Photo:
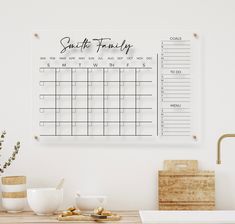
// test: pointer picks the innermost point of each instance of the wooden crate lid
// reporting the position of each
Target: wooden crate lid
(181, 165)
(173, 173)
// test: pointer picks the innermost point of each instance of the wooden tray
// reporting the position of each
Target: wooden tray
(88, 218)
(184, 187)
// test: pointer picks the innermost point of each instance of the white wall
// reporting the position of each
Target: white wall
(128, 175)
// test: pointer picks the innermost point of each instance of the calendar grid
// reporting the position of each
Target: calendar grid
(87, 72)
(120, 102)
(105, 108)
(55, 102)
(103, 101)
(135, 102)
(71, 101)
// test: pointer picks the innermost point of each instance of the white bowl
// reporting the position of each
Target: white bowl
(89, 202)
(14, 205)
(44, 201)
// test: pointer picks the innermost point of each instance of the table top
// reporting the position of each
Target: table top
(127, 217)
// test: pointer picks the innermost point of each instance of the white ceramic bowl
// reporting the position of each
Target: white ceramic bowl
(89, 202)
(44, 201)
(14, 205)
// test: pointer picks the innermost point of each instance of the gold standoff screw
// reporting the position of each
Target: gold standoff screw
(195, 35)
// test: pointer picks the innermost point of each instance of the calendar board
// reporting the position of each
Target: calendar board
(116, 86)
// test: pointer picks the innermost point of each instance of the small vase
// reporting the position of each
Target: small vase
(14, 193)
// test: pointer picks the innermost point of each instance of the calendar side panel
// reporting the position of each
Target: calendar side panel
(180, 88)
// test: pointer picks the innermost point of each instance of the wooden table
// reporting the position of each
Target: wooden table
(128, 217)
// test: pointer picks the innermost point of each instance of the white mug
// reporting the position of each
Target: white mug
(14, 193)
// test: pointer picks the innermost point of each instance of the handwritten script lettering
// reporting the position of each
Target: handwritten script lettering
(66, 44)
(98, 43)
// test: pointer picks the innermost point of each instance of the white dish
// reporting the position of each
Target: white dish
(14, 205)
(89, 202)
(187, 217)
(44, 201)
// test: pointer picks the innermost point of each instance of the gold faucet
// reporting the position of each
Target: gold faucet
(219, 143)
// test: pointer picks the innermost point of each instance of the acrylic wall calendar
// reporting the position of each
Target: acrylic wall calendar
(116, 86)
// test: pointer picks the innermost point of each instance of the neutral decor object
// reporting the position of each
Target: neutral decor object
(89, 202)
(84, 218)
(183, 187)
(118, 95)
(127, 217)
(187, 217)
(218, 161)
(14, 193)
(133, 217)
(99, 214)
(60, 184)
(45, 201)
(13, 155)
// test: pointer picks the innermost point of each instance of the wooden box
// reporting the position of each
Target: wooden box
(183, 187)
